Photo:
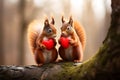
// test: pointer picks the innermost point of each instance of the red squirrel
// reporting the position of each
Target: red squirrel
(72, 41)
(42, 41)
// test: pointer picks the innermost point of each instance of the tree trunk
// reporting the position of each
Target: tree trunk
(1, 32)
(23, 27)
(105, 65)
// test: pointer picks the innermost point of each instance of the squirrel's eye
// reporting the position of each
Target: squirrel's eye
(68, 28)
(49, 30)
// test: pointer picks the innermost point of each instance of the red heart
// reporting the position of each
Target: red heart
(64, 42)
(48, 43)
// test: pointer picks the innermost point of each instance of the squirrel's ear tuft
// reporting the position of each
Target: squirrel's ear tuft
(53, 21)
(63, 19)
(70, 21)
(46, 22)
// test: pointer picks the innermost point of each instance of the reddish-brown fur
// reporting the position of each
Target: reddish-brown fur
(62, 53)
(54, 55)
(80, 32)
(77, 40)
(35, 36)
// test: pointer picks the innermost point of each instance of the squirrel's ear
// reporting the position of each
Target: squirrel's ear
(53, 21)
(63, 19)
(46, 22)
(70, 21)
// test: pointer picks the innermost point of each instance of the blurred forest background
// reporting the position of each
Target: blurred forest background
(15, 15)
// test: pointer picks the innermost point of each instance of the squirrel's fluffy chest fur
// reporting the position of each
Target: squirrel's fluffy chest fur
(47, 53)
(69, 51)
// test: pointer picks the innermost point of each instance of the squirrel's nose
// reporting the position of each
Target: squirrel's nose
(63, 34)
(54, 35)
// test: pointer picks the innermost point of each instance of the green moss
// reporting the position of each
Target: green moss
(66, 73)
(69, 71)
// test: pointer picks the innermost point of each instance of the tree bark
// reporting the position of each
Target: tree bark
(105, 65)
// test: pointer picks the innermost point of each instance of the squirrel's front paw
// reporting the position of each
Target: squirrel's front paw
(42, 46)
(71, 41)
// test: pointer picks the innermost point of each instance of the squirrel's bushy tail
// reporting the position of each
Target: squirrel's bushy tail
(34, 30)
(81, 33)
